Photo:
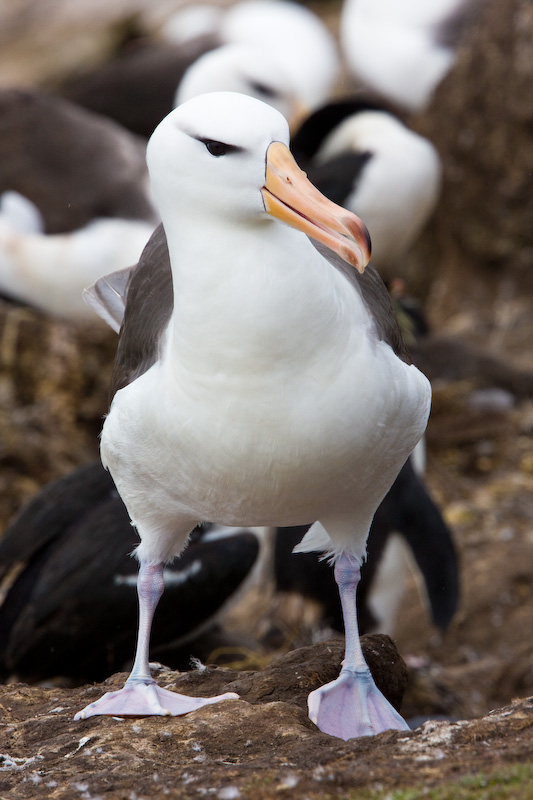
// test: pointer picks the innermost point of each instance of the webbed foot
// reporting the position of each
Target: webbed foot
(352, 706)
(142, 699)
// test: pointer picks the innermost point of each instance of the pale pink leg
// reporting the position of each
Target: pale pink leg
(352, 705)
(141, 696)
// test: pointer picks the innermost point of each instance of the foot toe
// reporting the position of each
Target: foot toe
(147, 699)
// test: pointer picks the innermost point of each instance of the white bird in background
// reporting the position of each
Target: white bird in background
(293, 34)
(288, 397)
(289, 34)
(403, 50)
(49, 271)
(247, 69)
(366, 159)
(74, 200)
(294, 59)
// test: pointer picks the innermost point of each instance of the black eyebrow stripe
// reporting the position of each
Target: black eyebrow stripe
(232, 148)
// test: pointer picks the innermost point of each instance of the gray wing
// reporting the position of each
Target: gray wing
(149, 304)
(376, 298)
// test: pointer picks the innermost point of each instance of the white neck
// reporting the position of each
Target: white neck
(231, 313)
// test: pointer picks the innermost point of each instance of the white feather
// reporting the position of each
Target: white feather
(50, 272)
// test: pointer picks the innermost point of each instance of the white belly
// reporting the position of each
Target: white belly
(283, 451)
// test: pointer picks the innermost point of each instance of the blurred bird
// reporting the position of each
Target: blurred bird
(256, 410)
(295, 36)
(74, 200)
(49, 271)
(363, 157)
(285, 31)
(403, 50)
(68, 584)
(285, 56)
(74, 166)
(248, 69)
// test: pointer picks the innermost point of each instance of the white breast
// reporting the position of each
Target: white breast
(277, 445)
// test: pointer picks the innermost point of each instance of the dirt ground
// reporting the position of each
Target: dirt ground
(248, 749)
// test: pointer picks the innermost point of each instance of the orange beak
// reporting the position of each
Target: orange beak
(290, 197)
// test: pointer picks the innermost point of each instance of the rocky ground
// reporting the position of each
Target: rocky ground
(473, 272)
(260, 746)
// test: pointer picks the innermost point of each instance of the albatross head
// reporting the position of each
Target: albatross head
(246, 69)
(226, 155)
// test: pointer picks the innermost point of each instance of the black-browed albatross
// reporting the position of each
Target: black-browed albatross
(363, 157)
(270, 386)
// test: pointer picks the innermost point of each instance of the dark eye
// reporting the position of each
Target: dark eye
(262, 89)
(217, 148)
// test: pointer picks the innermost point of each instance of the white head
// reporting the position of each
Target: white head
(186, 171)
(222, 161)
(295, 36)
(244, 69)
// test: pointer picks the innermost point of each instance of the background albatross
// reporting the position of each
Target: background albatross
(270, 386)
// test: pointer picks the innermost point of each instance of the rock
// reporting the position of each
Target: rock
(480, 242)
(41, 45)
(292, 676)
(54, 379)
